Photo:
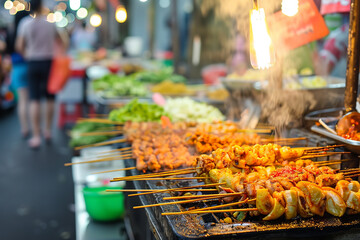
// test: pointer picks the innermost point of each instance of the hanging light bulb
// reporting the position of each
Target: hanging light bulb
(95, 20)
(290, 7)
(262, 55)
(121, 14)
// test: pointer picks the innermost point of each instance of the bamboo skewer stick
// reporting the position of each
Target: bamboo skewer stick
(117, 150)
(171, 203)
(99, 120)
(255, 130)
(175, 189)
(129, 177)
(331, 162)
(109, 156)
(101, 144)
(322, 155)
(350, 170)
(208, 208)
(283, 139)
(219, 211)
(217, 195)
(100, 133)
(158, 174)
(170, 190)
(115, 170)
(159, 179)
(353, 175)
(94, 161)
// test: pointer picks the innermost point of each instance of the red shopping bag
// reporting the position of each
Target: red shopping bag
(59, 74)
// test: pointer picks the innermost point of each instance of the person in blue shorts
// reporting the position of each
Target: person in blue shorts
(19, 76)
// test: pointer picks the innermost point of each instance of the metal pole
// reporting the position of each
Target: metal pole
(175, 36)
(152, 10)
(352, 71)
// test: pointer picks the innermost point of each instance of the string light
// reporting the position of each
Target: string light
(95, 20)
(290, 7)
(121, 14)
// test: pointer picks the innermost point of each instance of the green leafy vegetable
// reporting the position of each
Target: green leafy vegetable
(114, 86)
(85, 127)
(136, 111)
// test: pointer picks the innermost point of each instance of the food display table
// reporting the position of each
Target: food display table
(86, 228)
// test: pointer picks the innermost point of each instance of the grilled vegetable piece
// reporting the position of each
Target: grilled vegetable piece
(264, 201)
(291, 200)
(290, 153)
(303, 207)
(277, 211)
(314, 196)
(343, 189)
(334, 204)
(354, 186)
(353, 201)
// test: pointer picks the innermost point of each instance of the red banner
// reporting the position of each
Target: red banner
(291, 32)
(334, 6)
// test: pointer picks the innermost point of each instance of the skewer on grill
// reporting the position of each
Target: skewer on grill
(159, 179)
(124, 155)
(101, 144)
(276, 140)
(100, 133)
(176, 189)
(99, 160)
(215, 211)
(169, 190)
(321, 155)
(209, 208)
(99, 120)
(167, 173)
(115, 170)
(175, 202)
(216, 195)
(117, 150)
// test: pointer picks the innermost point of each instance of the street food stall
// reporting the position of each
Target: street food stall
(194, 173)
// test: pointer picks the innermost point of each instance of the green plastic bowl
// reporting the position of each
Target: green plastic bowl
(103, 206)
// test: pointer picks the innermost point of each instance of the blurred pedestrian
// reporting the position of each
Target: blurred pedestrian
(36, 41)
(19, 78)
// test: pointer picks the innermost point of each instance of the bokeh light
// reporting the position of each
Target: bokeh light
(20, 7)
(13, 11)
(50, 17)
(8, 5)
(58, 16)
(95, 20)
(61, 6)
(63, 23)
(121, 14)
(164, 3)
(290, 7)
(75, 4)
(70, 17)
(82, 13)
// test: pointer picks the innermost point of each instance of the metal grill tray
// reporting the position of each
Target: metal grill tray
(208, 225)
(352, 145)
